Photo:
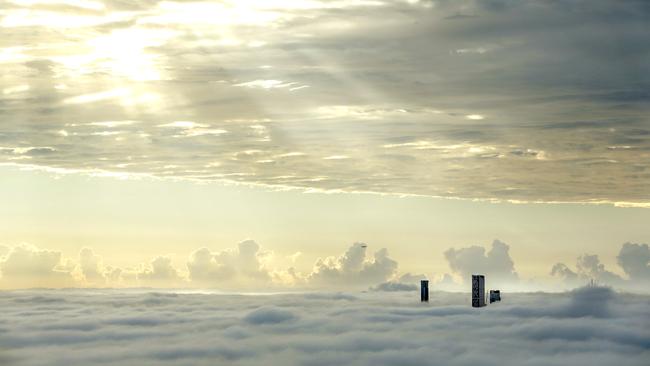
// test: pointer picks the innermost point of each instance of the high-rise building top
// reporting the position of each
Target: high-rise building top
(495, 295)
(424, 290)
(478, 291)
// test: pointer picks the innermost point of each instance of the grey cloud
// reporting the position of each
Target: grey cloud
(632, 258)
(371, 81)
(635, 261)
(496, 264)
(590, 266)
(268, 315)
(562, 271)
(394, 286)
(590, 326)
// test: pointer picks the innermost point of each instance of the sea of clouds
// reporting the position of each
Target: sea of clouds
(588, 326)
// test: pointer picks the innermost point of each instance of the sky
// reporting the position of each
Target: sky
(248, 145)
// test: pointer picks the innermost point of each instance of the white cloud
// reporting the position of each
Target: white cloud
(161, 273)
(249, 267)
(91, 267)
(267, 84)
(98, 97)
(353, 269)
(26, 266)
(15, 89)
(184, 125)
(336, 157)
(234, 268)
(593, 326)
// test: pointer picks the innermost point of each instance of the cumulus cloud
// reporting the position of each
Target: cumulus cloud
(496, 264)
(240, 267)
(28, 266)
(632, 258)
(589, 266)
(161, 273)
(591, 326)
(353, 268)
(248, 267)
(91, 267)
(635, 261)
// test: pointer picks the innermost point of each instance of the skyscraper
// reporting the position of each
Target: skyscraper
(478, 291)
(424, 290)
(495, 295)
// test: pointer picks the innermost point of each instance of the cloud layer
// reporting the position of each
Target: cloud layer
(245, 267)
(591, 326)
(249, 267)
(489, 99)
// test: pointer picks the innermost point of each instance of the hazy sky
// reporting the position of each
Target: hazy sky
(146, 130)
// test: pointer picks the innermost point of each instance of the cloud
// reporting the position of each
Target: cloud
(26, 266)
(267, 315)
(353, 268)
(248, 267)
(632, 258)
(562, 271)
(496, 265)
(592, 326)
(635, 261)
(589, 266)
(394, 286)
(546, 116)
(161, 273)
(90, 265)
(240, 267)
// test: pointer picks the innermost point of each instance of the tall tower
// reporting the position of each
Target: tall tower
(478, 291)
(424, 291)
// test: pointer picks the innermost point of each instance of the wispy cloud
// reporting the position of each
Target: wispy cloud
(564, 125)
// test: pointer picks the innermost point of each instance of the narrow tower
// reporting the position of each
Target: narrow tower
(478, 291)
(424, 290)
